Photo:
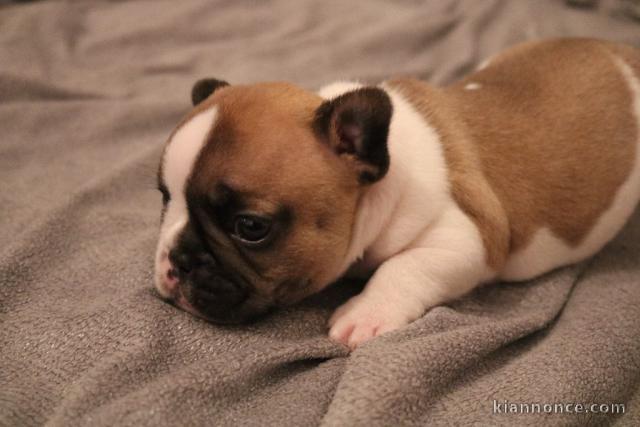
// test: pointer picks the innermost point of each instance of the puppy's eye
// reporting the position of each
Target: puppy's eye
(251, 229)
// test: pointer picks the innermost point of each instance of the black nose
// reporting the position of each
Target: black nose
(186, 261)
(182, 261)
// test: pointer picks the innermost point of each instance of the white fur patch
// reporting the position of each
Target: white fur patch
(406, 209)
(417, 174)
(472, 86)
(546, 251)
(178, 160)
(425, 249)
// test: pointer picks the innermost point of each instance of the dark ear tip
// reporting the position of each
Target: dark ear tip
(364, 98)
(357, 123)
(203, 88)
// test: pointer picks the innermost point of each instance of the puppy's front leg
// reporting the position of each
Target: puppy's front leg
(408, 284)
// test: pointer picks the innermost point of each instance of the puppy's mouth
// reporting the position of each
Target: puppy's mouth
(207, 304)
(247, 311)
(221, 297)
(180, 301)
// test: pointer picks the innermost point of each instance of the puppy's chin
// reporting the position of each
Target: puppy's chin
(248, 311)
(292, 291)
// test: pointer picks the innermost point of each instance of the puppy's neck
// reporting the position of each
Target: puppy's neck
(409, 197)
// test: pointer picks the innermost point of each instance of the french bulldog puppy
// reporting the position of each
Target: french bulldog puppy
(272, 192)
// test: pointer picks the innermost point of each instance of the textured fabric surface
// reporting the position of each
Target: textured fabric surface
(89, 91)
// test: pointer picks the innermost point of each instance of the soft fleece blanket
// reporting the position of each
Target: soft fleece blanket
(89, 91)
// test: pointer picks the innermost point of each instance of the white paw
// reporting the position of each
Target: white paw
(362, 318)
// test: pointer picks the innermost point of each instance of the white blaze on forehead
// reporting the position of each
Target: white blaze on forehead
(177, 164)
(183, 149)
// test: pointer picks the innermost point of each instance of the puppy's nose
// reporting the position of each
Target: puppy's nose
(209, 288)
(185, 261)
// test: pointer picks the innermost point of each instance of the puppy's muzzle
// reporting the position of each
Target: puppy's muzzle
(203, 286)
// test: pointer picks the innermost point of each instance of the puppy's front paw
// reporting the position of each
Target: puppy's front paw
(362, 318)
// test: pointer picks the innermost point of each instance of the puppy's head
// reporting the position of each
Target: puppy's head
(260, 188)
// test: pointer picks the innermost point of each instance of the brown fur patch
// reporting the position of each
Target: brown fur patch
(545, 141)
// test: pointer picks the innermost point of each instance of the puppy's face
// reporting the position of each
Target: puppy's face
(260, 187)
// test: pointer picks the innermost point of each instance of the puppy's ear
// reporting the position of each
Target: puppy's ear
(355, 125)
(205, 87)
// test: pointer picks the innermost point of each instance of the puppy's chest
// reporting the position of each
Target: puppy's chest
(371, 259)
(385, 247)
(365, 264)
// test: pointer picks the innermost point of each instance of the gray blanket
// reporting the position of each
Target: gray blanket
(89, 91)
